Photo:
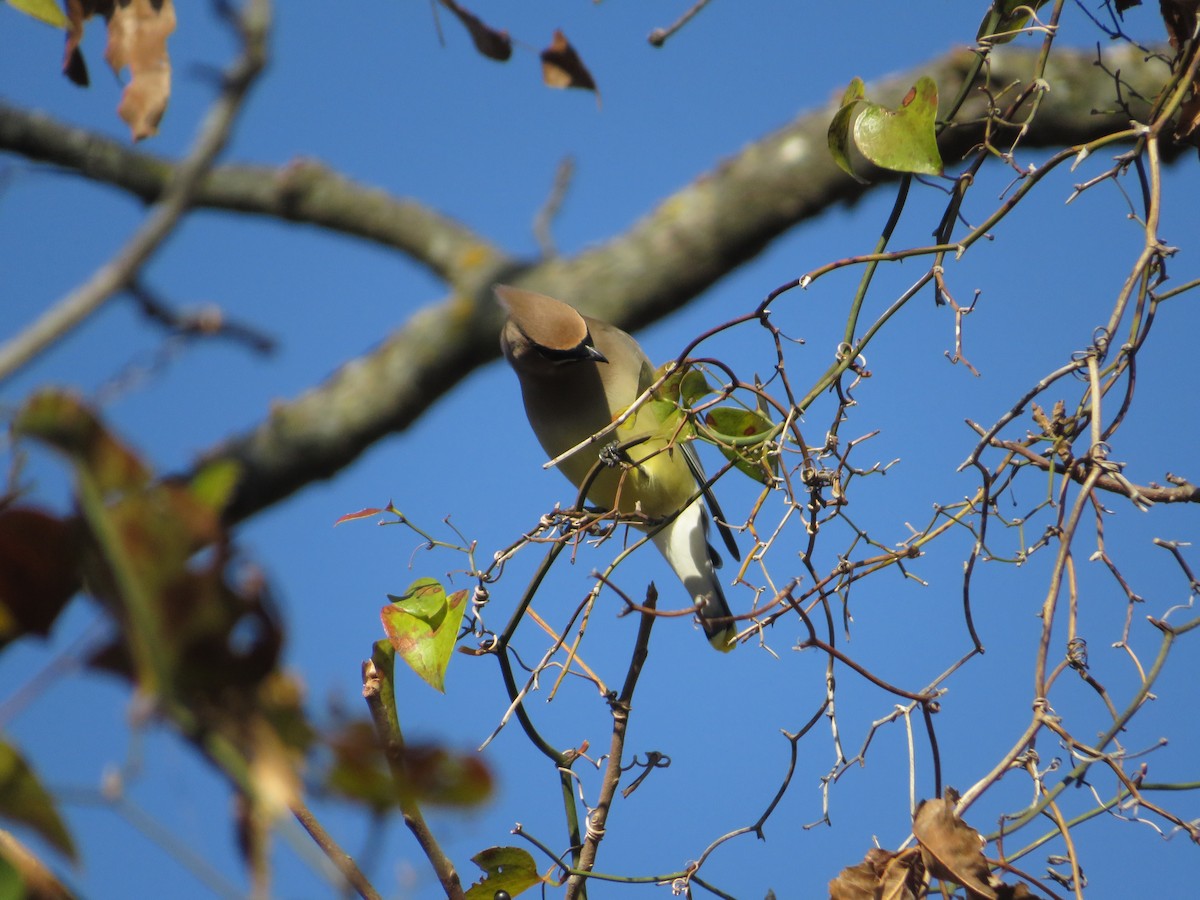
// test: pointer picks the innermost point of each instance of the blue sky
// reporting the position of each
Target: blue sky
(369, 91)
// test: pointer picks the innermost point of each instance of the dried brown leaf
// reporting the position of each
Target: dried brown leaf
(38, 570)
(491, 42)
(1180, 19)
(903, 876)
(1188, 129)
(78, 11)
(882, 875)
(952, 849)
(137, 39)
(562, 67)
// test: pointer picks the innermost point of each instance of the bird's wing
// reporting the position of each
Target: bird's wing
(693, 461)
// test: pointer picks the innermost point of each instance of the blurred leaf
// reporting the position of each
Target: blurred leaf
(902, 140)
(213, 485)
(183, 629)
(431, 773)
(562, 67)
(492, 43)
(43, 10)
(359, 770)
(39, 570)
(422, 625)
(446, 777)
(509, 869)
(741, 435)
(61, 420)
(24, 876)
(24, 800)
(137, 39)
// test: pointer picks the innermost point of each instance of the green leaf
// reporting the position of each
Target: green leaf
(24, 800)
(841, 144)
(509, 869)
(902, 139)
(856, 90)
(694, 387)
(1005, 19)
(422, 626)
(741, 435)
(46, 11)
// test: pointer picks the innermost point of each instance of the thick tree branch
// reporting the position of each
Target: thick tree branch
(687, 243)
(302, 191)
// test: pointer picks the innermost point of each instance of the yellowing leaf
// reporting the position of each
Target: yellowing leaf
(46, 11)
(741, 435)
(213, 485)
(902, 139)
(509, 869)
(422, 626)
(24, 800)
(62, 420)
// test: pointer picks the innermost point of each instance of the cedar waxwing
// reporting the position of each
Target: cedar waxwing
(577, 375)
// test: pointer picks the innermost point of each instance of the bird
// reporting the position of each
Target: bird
(577, 375)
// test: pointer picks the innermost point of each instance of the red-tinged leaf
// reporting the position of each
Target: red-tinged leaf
(562, 67)
(39, 570)
(445, 777)
(428, 772)
(24, 800)
(509, 869)
(422, 627)
(365, 513)
(491, 42)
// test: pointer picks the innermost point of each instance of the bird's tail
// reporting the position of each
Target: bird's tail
(684, 543)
